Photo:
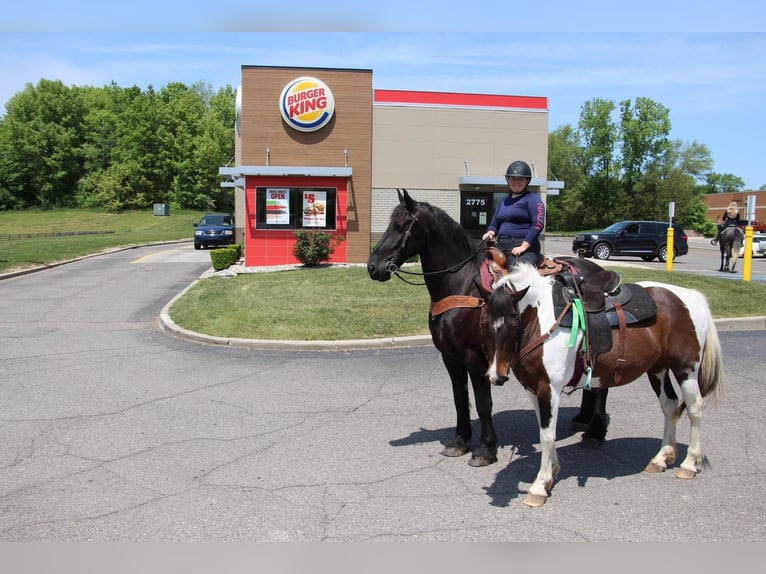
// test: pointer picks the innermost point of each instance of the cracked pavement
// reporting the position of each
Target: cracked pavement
(115, 430)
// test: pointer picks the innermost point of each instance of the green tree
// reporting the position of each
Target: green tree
(601, 192)
(42, 139)
(723, 183)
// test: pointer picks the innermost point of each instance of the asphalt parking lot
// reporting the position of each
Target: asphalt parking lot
(116, 430)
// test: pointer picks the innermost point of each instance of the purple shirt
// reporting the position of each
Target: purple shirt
(519, 217)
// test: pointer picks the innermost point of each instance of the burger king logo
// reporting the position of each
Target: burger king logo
(306, 104)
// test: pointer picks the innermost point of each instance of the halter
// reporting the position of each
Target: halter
(393, 268)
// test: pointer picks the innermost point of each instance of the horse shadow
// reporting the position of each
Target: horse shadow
(518, 430)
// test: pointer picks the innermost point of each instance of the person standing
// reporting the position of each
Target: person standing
(729, 218)
(519, 219)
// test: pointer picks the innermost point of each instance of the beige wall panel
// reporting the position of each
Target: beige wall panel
(429, 147)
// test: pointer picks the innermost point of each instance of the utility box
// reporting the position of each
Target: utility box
(161, 209)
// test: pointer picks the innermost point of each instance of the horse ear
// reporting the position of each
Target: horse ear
(519, 295)
(401, 197)
(405, 198)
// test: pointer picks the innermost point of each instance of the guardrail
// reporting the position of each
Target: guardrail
(12, 236)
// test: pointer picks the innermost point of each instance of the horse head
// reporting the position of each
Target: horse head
(502, 327)
(401, 240)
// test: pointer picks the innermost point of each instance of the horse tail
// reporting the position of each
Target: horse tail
(710, 377)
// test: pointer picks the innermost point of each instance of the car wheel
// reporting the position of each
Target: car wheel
(197, 245)
(662, 254)
(647, 257)
(602, 251)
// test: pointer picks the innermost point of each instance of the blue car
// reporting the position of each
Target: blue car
(214, 229)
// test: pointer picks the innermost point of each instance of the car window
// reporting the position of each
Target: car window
(649, 228)
(632, 228)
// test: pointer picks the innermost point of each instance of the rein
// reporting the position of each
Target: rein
(393, 268)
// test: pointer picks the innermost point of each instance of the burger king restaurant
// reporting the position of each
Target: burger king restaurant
(321, 149)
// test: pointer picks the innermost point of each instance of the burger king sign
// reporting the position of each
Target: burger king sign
(306, 104)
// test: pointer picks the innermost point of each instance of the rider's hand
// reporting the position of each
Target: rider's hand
(488, 236)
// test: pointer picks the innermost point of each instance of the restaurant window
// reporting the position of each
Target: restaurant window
(295, 208)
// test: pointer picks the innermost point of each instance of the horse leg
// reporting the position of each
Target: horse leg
(546, 405)
(594, 436)
(460, 444)
(694, 460)
(663, 388)
(486, 452)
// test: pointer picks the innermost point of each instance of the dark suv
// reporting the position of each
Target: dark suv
(644, 239)
(214, 229)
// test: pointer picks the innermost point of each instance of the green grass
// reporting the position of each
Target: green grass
(320, 303)
(130, 228)
(342, 303)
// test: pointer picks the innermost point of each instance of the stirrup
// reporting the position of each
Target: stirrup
(713, 241)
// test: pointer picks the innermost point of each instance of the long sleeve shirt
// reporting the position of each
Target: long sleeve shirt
(522, 216)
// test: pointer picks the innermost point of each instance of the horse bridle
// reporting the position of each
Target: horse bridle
(515, 317)
(393, 268)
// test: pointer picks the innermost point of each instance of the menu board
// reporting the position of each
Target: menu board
(314, 205)
(277, 206)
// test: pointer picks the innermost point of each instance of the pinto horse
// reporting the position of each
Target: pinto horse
(730, 243)
(523, 335)
(451, 264)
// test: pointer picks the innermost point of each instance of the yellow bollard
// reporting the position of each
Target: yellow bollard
(747, 263)
(669, 260)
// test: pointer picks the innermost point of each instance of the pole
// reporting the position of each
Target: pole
(671, 236)
(747, 263)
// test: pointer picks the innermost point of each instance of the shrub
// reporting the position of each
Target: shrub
(313, 246)
(225, 257)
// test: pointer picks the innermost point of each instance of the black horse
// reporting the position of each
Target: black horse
(730, 243)
(451, 264)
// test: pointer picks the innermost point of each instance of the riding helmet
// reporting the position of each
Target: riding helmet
(519, 169)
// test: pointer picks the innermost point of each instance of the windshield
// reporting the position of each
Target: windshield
(216, 220)
(614, 228)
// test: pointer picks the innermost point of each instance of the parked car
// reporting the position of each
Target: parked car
(214, 229)
(759, 246)
(644, 239)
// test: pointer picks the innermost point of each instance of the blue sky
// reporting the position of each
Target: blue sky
(705, 61)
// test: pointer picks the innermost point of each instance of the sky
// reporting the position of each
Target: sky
(704, 60)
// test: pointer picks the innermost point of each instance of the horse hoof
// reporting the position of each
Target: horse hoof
(685, 473)
(454, 451)
(534, 500)
(591, 442)
(477, 461)
(654, 468)
(579, 426)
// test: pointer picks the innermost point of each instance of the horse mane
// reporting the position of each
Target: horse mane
(441, 220)
(521, 275)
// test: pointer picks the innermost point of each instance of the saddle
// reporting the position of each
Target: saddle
(608, 305)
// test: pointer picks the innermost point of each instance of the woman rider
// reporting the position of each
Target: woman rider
(729, 218)
(519, 219)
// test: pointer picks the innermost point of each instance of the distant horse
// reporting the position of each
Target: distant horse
(451, 264)
(523, 334)
(730, 243)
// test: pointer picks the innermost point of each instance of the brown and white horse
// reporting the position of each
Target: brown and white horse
(524, 339)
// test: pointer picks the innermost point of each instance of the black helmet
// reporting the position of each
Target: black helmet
(518, 169)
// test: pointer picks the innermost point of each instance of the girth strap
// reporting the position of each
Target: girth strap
(617, 373)
(453, 302)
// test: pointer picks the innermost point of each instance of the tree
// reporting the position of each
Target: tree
(723, 183)
(601, 192)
